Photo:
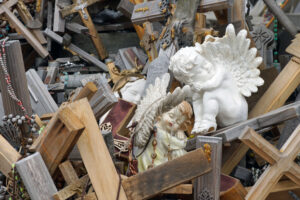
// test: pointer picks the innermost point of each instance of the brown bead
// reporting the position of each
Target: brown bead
(154, 142)
(150, 166)
(153, 155)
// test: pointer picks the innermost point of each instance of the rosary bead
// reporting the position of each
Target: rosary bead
(33, 130)
(23, 118)
(10, 116)
(4, 118)
(29, 140)
(18, 117)
(32, 121)
(14, 120)
(153, 155)
(154, 142)
(20, 122)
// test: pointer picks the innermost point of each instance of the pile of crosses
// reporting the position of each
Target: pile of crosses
(68, 99)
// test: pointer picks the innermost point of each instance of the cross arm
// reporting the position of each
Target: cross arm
(8, 4)
(258, 144)
(292, 146)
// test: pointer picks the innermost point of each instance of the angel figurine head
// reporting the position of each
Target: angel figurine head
(176, 119)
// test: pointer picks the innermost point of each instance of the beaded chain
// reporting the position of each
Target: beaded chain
(10, 90)
(275, 29)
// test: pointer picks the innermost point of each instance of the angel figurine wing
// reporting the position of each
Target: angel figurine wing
(232, 51)
(156, 102)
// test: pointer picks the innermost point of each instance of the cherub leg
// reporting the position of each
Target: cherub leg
(197, 107)
(208, 118)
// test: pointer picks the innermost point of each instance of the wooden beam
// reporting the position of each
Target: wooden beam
(95, 155)
(282, 186)
(71, 189)
(77, 50)
(166, 176)
(36, 177)
(68, 172)
(88, 91)
(8, 156)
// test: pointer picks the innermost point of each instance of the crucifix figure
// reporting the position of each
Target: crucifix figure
(80, 6)
(281, 162)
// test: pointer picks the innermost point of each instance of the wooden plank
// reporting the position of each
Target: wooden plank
(180, 189)
(95, 154)
(282, 186)
(209, 183)
(89, 196)
(58, 21)
(126, 7)
(49, 22)
(166, 176)
(77, 50)
(8, 156)
(36, 177)
(16, 70)
(62, 134)
(88, 91)
(68, 172)
(76, 28)
(231, 189)
(71, 189)
(212, 5)
(148, 11)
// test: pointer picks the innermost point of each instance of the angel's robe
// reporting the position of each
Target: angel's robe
(168, 146)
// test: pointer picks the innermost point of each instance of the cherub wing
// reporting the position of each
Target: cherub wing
(156, 102)
(232, 51)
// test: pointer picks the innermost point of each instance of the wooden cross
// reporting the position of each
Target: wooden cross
(281, 162)
(80, 6)
(15, 22)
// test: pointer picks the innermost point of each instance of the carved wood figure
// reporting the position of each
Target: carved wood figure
(80, 6)
(281, 161)
(220, 73)
(18, 25)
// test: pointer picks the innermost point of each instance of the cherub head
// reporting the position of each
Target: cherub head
(177, 119)
(133, 91)
(189, 66)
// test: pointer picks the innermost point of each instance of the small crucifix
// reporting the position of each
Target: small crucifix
(80, 6)
(281, 162)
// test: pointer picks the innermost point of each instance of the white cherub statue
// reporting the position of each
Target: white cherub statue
(160, 119)
(220, 72)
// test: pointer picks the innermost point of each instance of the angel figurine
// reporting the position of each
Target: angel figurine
(220, 72)
(161, 119)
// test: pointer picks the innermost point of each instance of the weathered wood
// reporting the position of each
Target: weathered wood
(52, 72)
(95, 155)
(59, 137)
(103, 99)
(88, 91)
(209, 183)
(281, 162)
(41, 100)
(68, 172)
(282, 186)
(212, 5)
(148, 11)
(166, 176)
(58, 21)
(71, 189)
(8, 156)
(149, 41)
(77, 50)
(76, 28)
(15, 22)
(16, 70)
(89, 196)
(36, 177)
(180, 189)
(49, 22)
(126, 7)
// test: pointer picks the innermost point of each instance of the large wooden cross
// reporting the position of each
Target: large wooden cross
(15, 22)
(80, 6)
(281, 162)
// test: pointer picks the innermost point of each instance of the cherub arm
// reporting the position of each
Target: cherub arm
(214, 82)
